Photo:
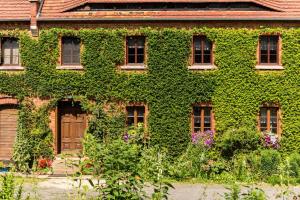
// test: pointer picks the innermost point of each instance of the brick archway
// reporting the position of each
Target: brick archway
(8, 100)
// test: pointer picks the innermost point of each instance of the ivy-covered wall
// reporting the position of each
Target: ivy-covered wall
(235, 89)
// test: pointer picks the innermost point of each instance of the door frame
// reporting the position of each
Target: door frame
(58, 135)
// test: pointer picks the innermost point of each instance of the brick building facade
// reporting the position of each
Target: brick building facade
(68, 122)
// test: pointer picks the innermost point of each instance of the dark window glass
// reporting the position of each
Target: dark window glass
(269, 119)
(202, 117)
(135, 50)
(269, 49)
(10, 51)
(135, 115)
(171, 6)
(70, 51)
(202, 50)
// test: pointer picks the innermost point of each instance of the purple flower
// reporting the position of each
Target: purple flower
(206, 138)
(270, 140)
(126, 137)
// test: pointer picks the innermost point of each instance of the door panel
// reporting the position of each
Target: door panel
(8, 130)
(72, 127)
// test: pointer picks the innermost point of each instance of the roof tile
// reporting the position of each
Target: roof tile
(14, 10)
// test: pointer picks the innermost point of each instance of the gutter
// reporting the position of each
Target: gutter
(15, 20)
(166, 19)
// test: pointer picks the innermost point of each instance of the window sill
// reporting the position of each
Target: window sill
(11, 68)
(70, 67)
(202, 67)
(133, 67)
(269, 67)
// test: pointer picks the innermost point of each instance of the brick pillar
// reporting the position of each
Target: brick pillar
(35, 4)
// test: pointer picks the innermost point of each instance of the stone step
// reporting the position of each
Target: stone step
(64, 167)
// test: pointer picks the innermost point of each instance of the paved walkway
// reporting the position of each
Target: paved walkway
(65, 188)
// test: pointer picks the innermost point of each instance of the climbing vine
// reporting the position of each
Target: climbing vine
(235, 89)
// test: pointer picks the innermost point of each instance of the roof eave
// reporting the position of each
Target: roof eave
(15, 20)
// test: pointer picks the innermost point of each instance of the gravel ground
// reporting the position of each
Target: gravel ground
(64, 188)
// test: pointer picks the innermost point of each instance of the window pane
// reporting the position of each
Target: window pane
(10, 51)
(131, 59)
(130, 121)
(197, 123)
(140, 42)
(273, 58)
(76, 51)
(264, 58)
(131, 51)
(70, 50)
(207, 59)
(135, 49)
(6, 56)
(196, 111)
(197, 50)
(273, 43)
(140, 50)
(207, 118)
(140, 119)
(263, 43)
(131, 42)
(263, 119)
(141, 111)
(273, 119)
(130, 111)
(140, 58)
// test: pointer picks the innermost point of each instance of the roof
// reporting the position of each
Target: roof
(14, 10)
(62, 10)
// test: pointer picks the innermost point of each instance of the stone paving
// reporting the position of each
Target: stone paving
(65, 188)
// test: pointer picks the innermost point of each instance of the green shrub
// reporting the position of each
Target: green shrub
(238, 140)
(148, 162)
(294, 162)
(191, 163)
(270, 161)
(240, 169)
(255, 194)
(9, 190)
(116, 162)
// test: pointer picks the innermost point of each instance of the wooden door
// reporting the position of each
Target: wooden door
(72, 127)
(8, 130)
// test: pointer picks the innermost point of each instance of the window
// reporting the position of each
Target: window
(172, 6)
(70, 51)
(135, 50)
(135, 115)
(10, 51)
(269, 50)
(268, 119)
(202, 50)
(202, 118)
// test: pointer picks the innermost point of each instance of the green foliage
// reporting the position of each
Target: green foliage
(270, 160)
(9, 190)
(294, 164)
(190, 163)
(106, 124)
(255, 194)
(234, 193)
(116, 162)
(235, 89)
(238, 140)
(34, 137)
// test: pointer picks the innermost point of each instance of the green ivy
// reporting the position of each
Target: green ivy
(235, 89)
